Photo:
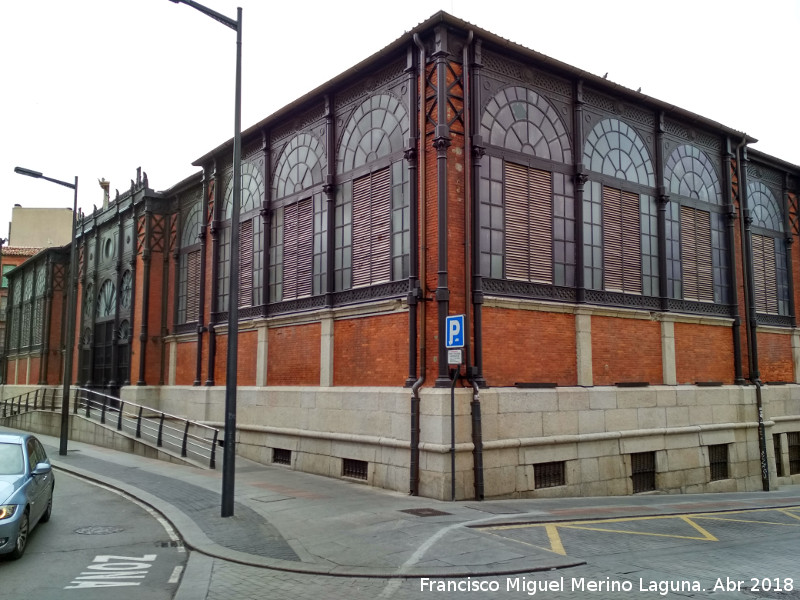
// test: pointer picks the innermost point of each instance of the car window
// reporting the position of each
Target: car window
(10, 459)
(31, 445)
(35, 452)
(40, 452)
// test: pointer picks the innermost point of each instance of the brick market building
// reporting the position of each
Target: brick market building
(626, 270)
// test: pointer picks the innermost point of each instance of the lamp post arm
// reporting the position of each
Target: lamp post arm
(228, 22)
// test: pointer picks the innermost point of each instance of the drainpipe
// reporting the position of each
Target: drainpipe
(750, 309)
(475, 405)
(423, 273)
(732, 280)
(441, 142)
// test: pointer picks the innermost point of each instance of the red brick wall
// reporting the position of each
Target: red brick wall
(186, 361)
(152, 374)
(703, 353)
(370, 351)
(528, 346)
(775, 357)
(34, 374)
(626, 350)
(293, 355)
(248, 357)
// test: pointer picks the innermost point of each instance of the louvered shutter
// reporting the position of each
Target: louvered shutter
(193, 286)
(696, 255)
(528, 224)
(305, 246)
(371, 229)
(246, 263)
(622, 242)
(517, 222)
(764, 274)
(290, 260)
(631, 244)
(612, 239)
(298, 249)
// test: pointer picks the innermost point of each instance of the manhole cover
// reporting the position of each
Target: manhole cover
(98, 530)
(425, 512)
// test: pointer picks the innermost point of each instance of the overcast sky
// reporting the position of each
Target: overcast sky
(97, 88)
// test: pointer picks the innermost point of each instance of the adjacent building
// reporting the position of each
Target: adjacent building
(625, 268)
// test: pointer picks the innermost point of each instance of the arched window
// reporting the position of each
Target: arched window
(697, 258)
(298, 236)
(519, 119)
(620, 215)
(372, 234)
(38, 303)
(189, 266)
(527, 203)
(770, 271)
(250, 240)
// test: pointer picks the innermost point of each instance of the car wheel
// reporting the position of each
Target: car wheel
(22, 537)
(49, 510)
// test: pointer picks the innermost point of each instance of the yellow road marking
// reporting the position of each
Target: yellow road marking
(557, 546)
(555, 540)
(750, 520)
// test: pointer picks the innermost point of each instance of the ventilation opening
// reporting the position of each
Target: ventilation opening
(718, 457)
(356, 469)
(280, 456)
(794, 452)
(643, 471)
(776, 443)
(549, 474)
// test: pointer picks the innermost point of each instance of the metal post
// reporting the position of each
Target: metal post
(69, 338)
(456, 372)
(229, 442)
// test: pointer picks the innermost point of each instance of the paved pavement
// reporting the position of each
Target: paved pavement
(297, 523)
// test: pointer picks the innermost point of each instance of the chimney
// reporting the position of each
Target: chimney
(105, 185)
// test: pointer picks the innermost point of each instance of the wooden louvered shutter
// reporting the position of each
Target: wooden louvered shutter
(246, 263)
(305, 246)
(290, 251)
(371, 228)
(193, 286)
(696, 262)
(528, 224)
(764, 274)
(298, 234)
(622, 242)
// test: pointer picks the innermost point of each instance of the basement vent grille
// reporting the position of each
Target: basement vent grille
(549, 474)
(356, 469)
(776, 443)
(794, 452)
(718, 457)
(281, 456)
(643, 471)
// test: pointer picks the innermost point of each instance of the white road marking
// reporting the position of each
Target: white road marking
(176, 574)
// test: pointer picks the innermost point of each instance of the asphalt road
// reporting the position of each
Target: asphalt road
(97, 545)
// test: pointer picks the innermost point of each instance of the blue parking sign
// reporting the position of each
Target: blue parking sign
(454, 327)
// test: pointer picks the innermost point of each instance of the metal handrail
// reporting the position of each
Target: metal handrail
(192, 438)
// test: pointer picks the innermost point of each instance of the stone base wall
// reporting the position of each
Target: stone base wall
(592, 431)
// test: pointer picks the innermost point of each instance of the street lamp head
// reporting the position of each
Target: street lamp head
(27, 172)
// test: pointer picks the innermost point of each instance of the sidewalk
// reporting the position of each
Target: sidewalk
(303, 523)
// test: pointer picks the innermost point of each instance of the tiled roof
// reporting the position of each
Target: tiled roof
(19, 251)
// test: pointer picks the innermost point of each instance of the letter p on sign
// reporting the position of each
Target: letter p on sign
(455, 331)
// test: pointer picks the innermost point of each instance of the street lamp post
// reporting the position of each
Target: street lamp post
(69, 337)
(229, 455)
